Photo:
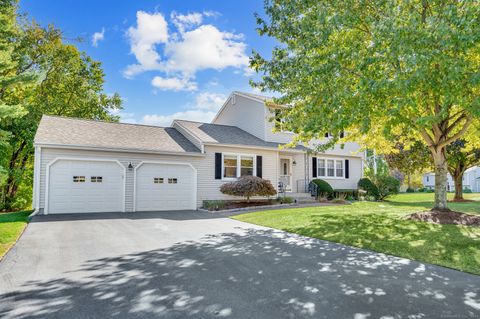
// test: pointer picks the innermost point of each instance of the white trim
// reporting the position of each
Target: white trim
(122, 150)
(166, 163)
(190, 133)
(274, 149)
(84, 159)
(335, 159)
(290, 169)
(239, 165)
(37, 165)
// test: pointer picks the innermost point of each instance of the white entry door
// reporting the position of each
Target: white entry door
(162, 186)
(82, 186)
(286, 173)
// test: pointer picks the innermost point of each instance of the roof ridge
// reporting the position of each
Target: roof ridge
(103, 121)
(180, 120)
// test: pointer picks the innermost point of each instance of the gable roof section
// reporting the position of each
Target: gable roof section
(209, 133)
(64, 131)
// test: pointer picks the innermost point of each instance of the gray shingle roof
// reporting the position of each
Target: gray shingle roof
(80, 132)
(226, 134)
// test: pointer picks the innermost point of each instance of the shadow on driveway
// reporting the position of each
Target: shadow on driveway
(254, 274)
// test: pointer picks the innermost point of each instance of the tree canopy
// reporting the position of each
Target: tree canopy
(66, 82)
(384, 71)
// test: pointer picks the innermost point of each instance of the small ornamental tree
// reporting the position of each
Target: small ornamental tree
(367, 185)
(387, 185)
(248, 186)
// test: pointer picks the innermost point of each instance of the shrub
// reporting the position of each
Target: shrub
(248, 186)
(323, 188)
(285, 200)
(340, 198)
(387, 185)
(467, 190)
(367, 185)
(410, 190)
(350, 194)
(214, 204)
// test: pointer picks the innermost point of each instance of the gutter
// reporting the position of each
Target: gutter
(122, 150)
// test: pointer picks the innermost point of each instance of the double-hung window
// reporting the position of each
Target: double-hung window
(330, 168)
(236, 165)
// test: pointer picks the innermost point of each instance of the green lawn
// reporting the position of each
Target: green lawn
(11, 226)
(380, 226)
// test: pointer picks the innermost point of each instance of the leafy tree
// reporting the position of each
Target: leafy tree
(10, 80)
(69, 83)
(387, 186)
(409, 161)
(378, 69)
(248, 186)
(461, 156)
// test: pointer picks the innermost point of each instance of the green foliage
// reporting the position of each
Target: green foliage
(248, 186)
(385, 72)
(467, 190)
(367, 185)
(11, 226)
(350, 194)
(69, 83)
(461, 155)
(387, 186)
(285, 199)
(214, 204)
(323, 187)
(410, 190)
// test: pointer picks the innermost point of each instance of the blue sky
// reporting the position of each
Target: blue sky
(167, 59)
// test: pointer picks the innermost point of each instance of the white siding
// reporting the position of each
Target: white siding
(247, 114)
(355, 173)
(207, 186)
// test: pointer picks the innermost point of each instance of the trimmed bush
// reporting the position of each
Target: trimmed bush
(323, 187)
(410, 190)
(467, 190)
(214, 204)
(285, 199)
(351, 194)
(387, 185)
(367, 185)
(248, 186)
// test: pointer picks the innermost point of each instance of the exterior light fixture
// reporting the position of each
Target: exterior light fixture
(294, 162)
(130, 166)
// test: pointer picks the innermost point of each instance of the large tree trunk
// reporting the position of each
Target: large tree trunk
(458, 187)
(441, 173)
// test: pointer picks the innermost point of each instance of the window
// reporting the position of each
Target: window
(321, 167)
(428, 179)
(330, 168)
(172, 181)
(230, 166)
(339, 168)
(96, 179)
(158, 180)
(246, 165)
(79, 179)
(238, 165)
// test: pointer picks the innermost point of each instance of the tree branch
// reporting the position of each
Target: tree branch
(459, 134)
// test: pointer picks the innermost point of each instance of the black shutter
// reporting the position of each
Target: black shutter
(218, 165)
(347, 169)
(314, 166)
(259, 166)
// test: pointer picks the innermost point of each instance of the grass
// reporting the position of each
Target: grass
(380, 226)
(11, 226)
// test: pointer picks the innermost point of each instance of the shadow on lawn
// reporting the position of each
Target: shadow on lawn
(255, 274)
(448, 245)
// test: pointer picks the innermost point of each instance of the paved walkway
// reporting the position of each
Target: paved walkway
(201, 265)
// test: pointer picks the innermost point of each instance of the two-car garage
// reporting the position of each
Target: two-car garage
(100, 185)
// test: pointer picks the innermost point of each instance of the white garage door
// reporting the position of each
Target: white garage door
(85, 186)
(165, 187)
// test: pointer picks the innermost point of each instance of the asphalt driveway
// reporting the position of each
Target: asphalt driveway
(200, 265)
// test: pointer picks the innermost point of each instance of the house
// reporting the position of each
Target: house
(471, 180)
(93, 166)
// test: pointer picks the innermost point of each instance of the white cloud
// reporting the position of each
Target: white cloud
(194, 48)
(204, 109)
(186, 21)
(152, 29)
(209, 101)
(166, 120)
(174, 84)
(97, 37)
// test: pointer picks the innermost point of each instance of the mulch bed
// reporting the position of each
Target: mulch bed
(446, 217)
(233, 205)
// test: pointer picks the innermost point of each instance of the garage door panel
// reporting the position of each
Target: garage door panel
(152, 196)
(67, 196)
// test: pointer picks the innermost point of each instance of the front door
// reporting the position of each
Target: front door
(286, 174)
